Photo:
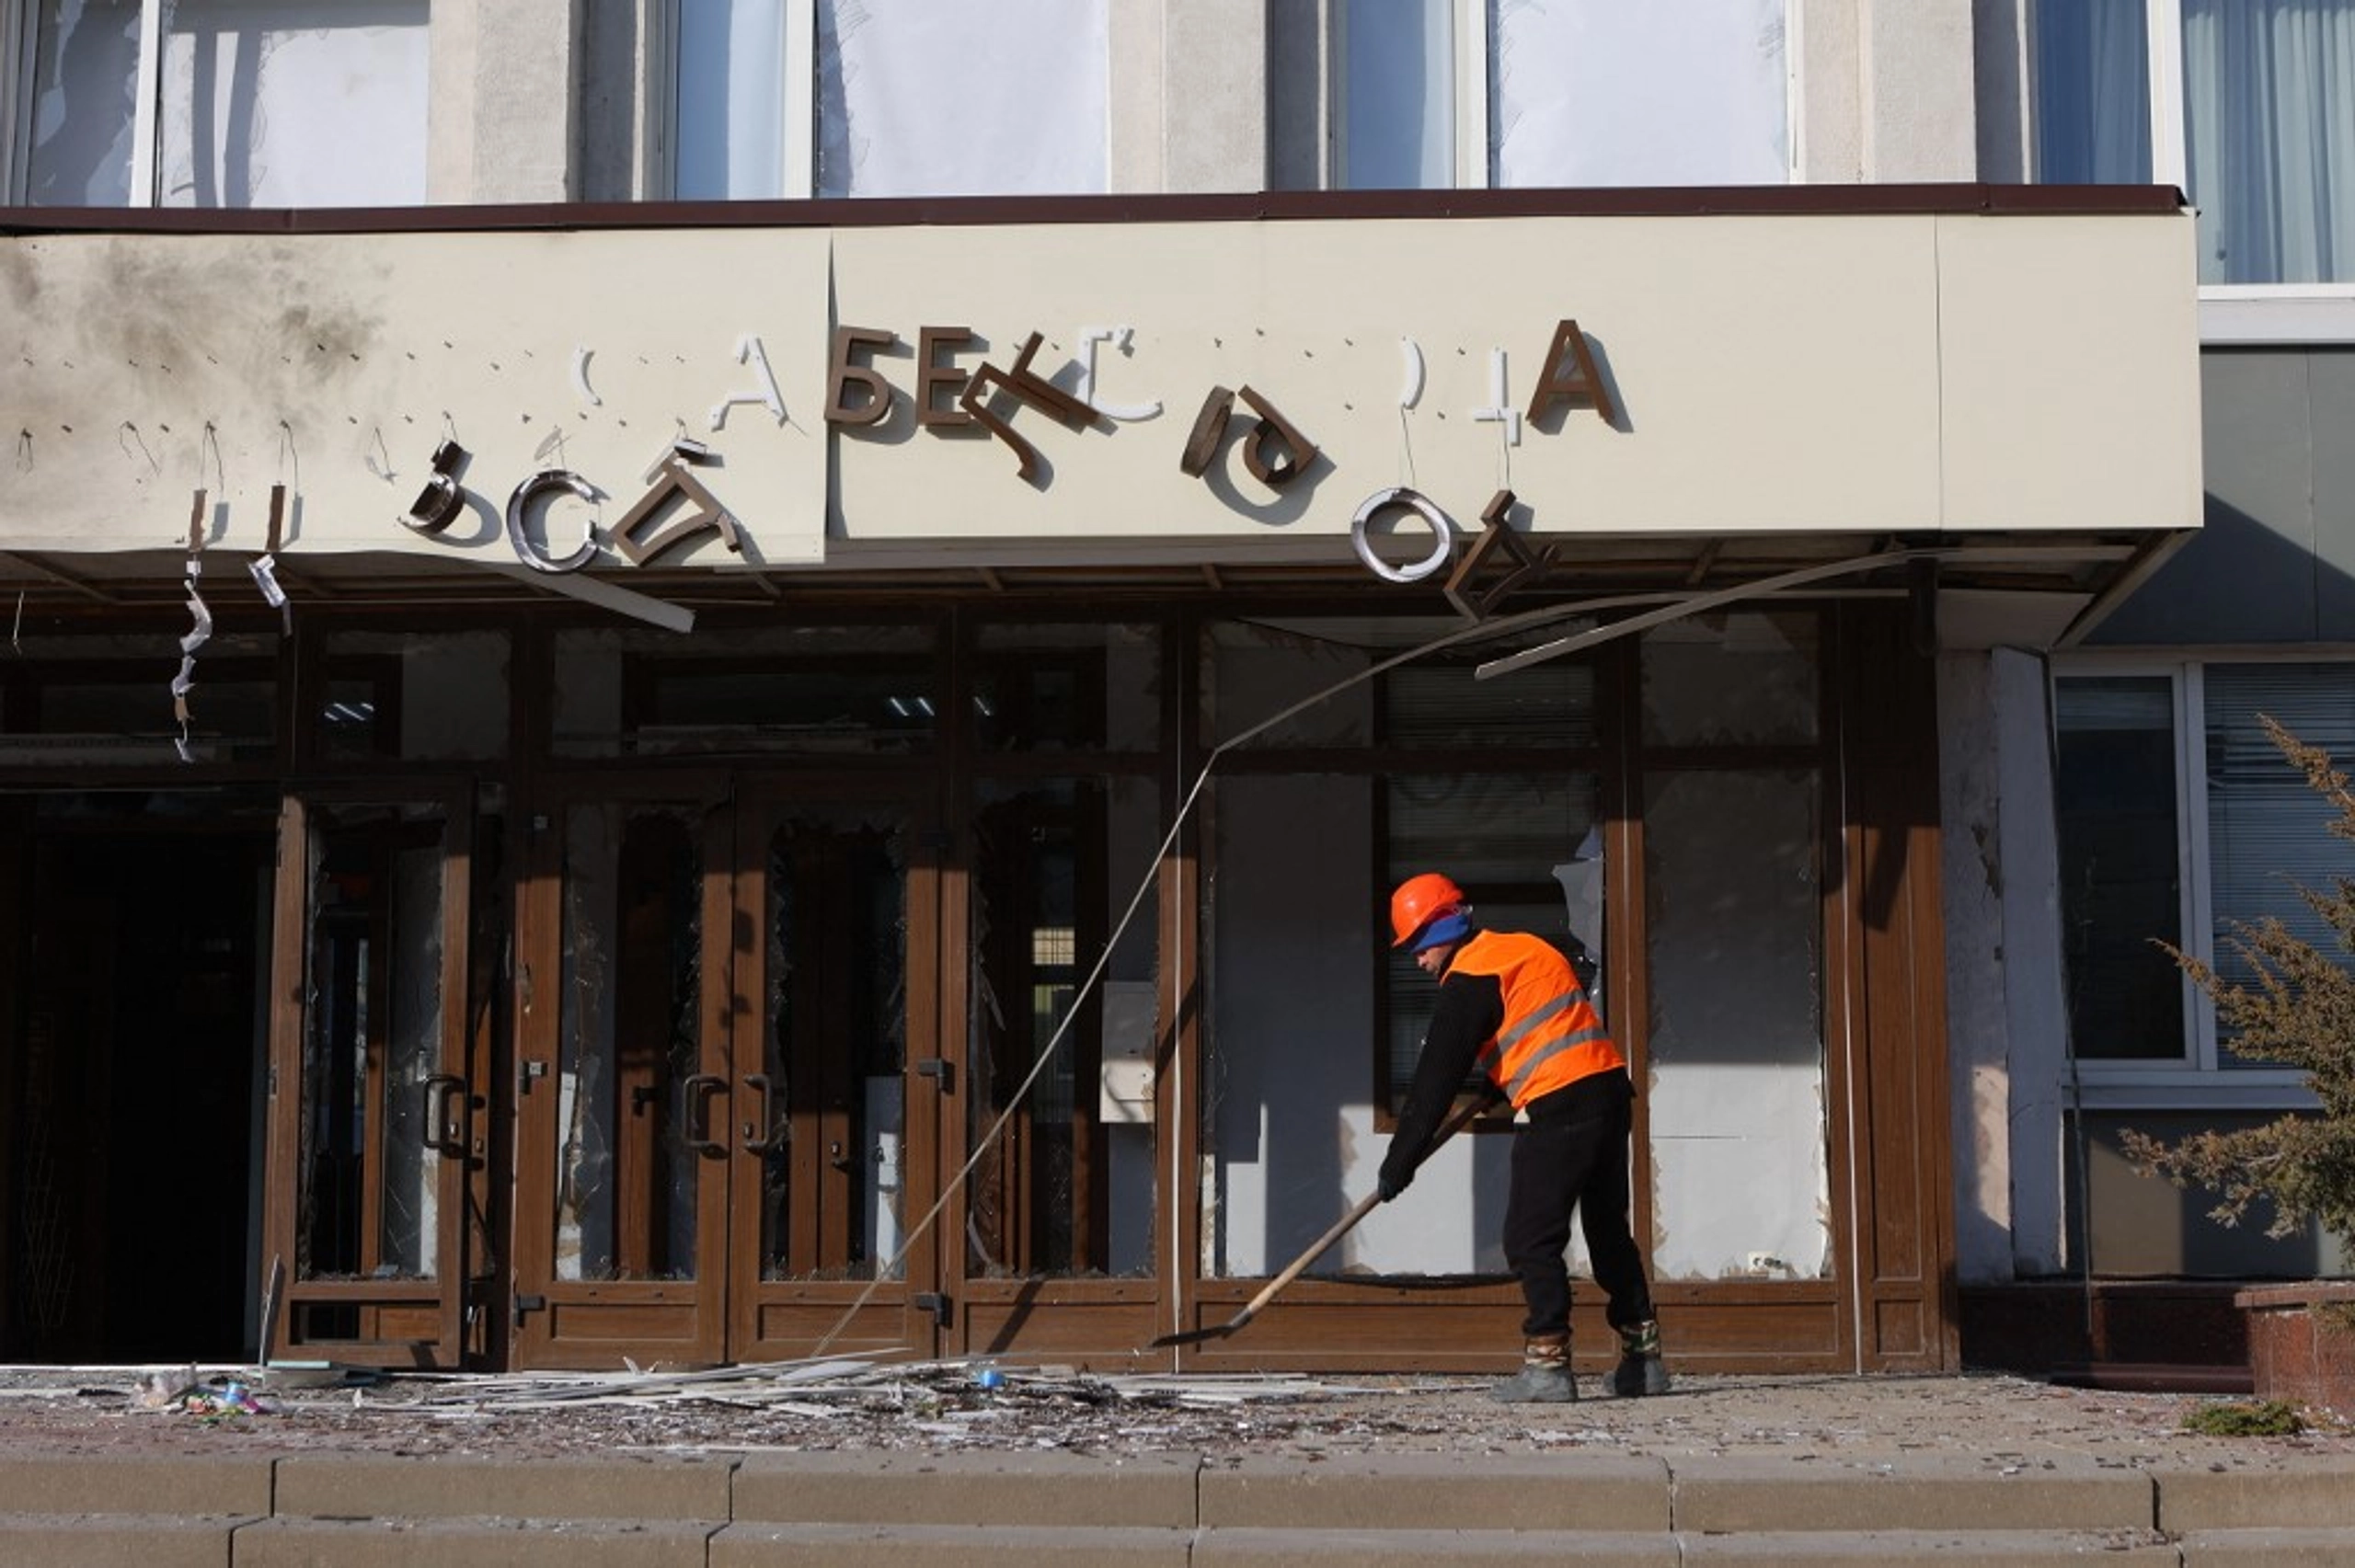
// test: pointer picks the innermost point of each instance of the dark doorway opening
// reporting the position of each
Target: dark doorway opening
(133, 1049)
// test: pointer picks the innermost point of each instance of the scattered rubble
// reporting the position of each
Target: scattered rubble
(863, 1405)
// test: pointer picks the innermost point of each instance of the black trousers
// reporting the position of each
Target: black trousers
(1572, 1153)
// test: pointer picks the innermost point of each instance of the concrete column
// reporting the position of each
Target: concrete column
(1214, 96)
(1971, 879)
(1829, 131)
(2007, 1008)
(506, 100)
(1918, 99)
(1134, 158)
(626, 54)
(1886, 90)
(2035, 996)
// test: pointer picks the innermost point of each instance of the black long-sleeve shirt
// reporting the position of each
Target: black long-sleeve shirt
(1470, 1013)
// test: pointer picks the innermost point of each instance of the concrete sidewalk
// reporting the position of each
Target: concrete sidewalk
(1045, 1469)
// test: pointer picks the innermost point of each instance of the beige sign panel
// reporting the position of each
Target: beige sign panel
(1212, 389)
(143, 369)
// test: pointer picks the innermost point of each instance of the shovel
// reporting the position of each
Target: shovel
(1341, 1227)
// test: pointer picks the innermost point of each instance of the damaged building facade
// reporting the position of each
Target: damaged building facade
(702, 684)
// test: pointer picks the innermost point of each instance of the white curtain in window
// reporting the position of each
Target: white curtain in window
(2269, 90)
(292, 103)
(2092, 92)
(1638, 92)
(2268, 833)
(947, 98)
(732, 101)
(85, 84)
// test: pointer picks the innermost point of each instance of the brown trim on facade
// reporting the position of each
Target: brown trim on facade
(941, 211)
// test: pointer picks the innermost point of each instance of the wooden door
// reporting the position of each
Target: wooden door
(624, 1001)
(368, 1113)
(838, 1077)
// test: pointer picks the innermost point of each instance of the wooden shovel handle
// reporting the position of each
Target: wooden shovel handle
(1347, 1223)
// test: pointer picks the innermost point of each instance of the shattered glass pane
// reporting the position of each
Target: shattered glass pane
(366, 1190)
(632, 984)
(1738, 676)
(1501, 837)
(1066, 688)
(447, 691)
(1063, 1188)
(835, 1050)
(412, 1055)
(853, 690)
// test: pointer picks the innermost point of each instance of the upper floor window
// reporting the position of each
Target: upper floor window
(1514, 93)
(919, 97)
(222, 103)
(2249, 104)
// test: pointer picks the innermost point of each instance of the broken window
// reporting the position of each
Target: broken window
(1315, 1022)
(633, 956)
(417, 696)
(1734, 1063)
(1066, 1186)
(371, 1043)
(255, 103)
(1044, 687)
(108, 699)
(834, 1051)
(1740, 678)
(1507, 839)
(832, 689)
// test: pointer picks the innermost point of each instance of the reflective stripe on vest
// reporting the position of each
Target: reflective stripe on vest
(1552, 1035)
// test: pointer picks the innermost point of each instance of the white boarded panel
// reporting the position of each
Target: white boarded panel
(1638, 92)
(946, 97)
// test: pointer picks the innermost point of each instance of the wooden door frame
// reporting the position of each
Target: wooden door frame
(442, 1298)
(844, 1314)
(643, 1320)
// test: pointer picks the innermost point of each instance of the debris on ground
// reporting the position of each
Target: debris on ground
(182, 1393)
(886, 1405)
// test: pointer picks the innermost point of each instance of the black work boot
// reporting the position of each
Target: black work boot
(1545, 1375)
(1640, 1371)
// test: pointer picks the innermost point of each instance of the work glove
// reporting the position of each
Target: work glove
(1393, 1180)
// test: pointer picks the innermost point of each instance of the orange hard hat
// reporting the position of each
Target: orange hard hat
(1418, 901)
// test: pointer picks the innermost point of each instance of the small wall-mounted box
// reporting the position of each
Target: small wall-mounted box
(1126, 1097)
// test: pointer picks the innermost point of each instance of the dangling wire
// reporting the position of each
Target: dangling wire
(199, 632)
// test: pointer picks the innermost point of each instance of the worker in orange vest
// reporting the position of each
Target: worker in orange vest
(1510, 1004)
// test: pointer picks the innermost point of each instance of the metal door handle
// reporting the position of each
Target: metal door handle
(438, 1133)
(694, 1122)
(757, 1141)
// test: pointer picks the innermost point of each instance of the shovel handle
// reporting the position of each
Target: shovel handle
(1317, 1249)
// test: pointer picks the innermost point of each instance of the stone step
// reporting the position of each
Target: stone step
(1043, 1509)
(161, 1540)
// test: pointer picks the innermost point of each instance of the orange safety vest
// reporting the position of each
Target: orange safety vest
(1552, 1036)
